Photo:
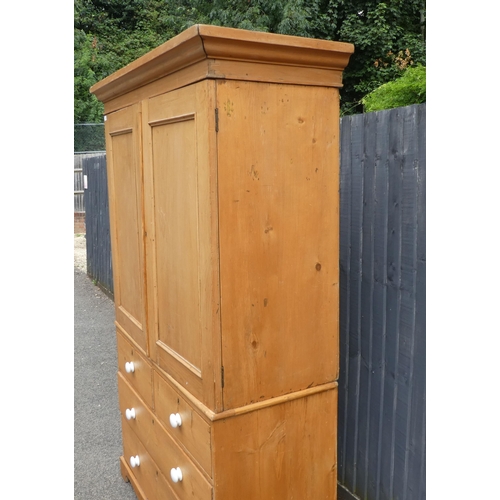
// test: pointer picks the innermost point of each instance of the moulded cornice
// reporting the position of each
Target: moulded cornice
(204, 42)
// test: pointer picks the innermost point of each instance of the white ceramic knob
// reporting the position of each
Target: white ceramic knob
(129, 367)
(134, 461)
(175, 420)
(176, 474)
(130, 413)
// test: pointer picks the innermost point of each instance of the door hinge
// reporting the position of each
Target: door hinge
(222, 375)
(216, 119)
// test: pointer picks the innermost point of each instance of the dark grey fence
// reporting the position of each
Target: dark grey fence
(78, 176)
(381, 434)
(99, 266)
(381, 437)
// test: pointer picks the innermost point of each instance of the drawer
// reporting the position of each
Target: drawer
(141, 376)
(152, 483)
(194, 431)
(162, 448)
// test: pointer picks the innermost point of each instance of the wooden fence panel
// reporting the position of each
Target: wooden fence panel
(99, 265)
(381, 436)
(78, 184)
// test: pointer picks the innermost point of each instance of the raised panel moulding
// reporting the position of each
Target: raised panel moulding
(203, 42)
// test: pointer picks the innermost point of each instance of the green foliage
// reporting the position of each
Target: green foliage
(406, 90)
(110, 34)
(86, 107)
(388, 36)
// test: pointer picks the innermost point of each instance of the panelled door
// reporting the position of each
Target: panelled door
(123, 135)
(181, 224)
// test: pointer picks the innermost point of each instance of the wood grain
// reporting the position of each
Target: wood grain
(124, 165)
(194, 433)
(223, 150)
(129, 477)
(278, 197)
(163, 449)
(274, 73)
(147, 479)
(181, 220)
(201, 42)
(280, 452)
(142, 377)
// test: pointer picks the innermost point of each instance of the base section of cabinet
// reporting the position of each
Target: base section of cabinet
(283, 448)
(283, 451)
(278, 449)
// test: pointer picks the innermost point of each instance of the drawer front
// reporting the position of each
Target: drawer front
(161, 447)
(193, 433)
(147, 474)
(141, 376)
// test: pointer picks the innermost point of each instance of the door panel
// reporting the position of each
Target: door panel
(179, 134)
(123, 135)
(176, 209)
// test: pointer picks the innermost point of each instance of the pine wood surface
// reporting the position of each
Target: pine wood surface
(270, 436)
(194, 439)
(194, 433)
(212, 42)
(147, 479)
(278, 222)
(124, 170)
(279, 452)
(163, 449)
(181, 221)
(223, 166)
(142, 377)
(128, 477)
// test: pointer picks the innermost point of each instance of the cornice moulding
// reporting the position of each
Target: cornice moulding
(203, 42)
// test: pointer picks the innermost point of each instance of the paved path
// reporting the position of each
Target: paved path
(97, 437)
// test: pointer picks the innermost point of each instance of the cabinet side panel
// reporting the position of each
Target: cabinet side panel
(284, 451)
(278, 196)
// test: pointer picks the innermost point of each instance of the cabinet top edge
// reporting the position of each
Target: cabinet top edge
(272, 39)
(201, 42)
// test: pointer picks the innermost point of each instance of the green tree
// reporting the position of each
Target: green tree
(86, 106)
(388, 36)
(109, 34)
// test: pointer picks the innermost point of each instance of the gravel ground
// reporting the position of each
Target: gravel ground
(81, 252)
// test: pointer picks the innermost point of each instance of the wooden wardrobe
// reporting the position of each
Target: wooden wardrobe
(223, 169)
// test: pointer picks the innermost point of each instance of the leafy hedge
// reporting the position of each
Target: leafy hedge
(406, 90)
